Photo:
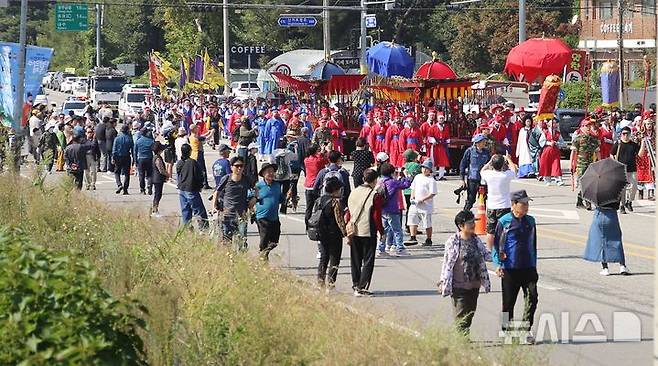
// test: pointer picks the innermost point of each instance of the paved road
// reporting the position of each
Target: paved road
(568, 288)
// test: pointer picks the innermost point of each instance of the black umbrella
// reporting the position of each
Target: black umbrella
(603, 181)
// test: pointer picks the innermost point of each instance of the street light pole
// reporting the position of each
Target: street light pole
(363, 41)
(227, 54)
(20, 86)
(522, 35)
(326, 30)
(99, 16)
(620, 41)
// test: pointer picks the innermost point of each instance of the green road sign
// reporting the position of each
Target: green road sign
(71, 17)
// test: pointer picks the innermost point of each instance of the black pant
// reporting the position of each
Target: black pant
(358, 180)
(216, 135)
(514, 280)
(285, 187)
(362, 256)
(310, 201)
(157, 194)
(464, 303)
(293, 187)
(472, 186)
(77, 178)
(269, 232)
(145, 169)
(407, 199)
(122, 166)
(331, 249)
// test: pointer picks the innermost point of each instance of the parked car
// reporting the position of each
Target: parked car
(75, 105)
(569, 120)
(67, 85)
(59, 79)
(244, 90)
(79, 89)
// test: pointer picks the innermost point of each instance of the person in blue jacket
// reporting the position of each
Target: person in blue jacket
(143, 156)
(475, 157)
(122, 150)
(515, 256)
(275, 128)
(259, 122)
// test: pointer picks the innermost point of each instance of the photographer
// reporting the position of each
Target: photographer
(475, 157)
(498, 174)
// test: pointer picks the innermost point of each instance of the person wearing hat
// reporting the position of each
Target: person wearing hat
(322, 135)
(232, 200)
(646, 158)
(474, 158)
(221, 167)
(251, 163)
(392, 143)
(378, 134)
(410, 137)
(464, 270)
(584, 151)
(515, 256)
(626, 151)
(268, 199)
(285, 161)
(48, 145)
(273, 133)
(423, 189)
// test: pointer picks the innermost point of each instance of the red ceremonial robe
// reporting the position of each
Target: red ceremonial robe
(337, 130)
(392, 146)
(439, 150)
(605, 137)
(410, 138)
(549, 160)
(377, 138)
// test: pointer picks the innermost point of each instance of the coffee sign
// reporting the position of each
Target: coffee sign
(614, 28)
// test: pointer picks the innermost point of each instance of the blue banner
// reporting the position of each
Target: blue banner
(37, 60)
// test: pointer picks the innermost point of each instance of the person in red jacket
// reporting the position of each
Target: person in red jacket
(335, 125)
(498, 130)
(427, 125)
(437, 142)
(314, 162)
(378, 134)
(549, 159)
(392, 142)
(410, 137)
(365, 129)
(605, 137)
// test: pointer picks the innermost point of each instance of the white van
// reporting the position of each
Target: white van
(131, 102)
(245, 90)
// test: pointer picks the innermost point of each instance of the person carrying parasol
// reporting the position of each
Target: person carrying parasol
(584, 151)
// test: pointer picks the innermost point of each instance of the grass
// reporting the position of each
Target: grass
(209, 306)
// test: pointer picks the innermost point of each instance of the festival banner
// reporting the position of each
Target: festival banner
(610, 84)
(37, 60)
(198, 68)
(183, 73)
(576, 67)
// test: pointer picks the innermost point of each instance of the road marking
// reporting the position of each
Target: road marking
(626, 244)
(564, 214)
(292, 218)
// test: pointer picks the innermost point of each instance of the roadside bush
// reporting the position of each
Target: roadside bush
(55, 312)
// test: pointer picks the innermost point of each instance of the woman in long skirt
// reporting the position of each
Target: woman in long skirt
(549, 159)
(526, 168)
(604, 243)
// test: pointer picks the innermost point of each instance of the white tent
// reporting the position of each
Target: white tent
(299, 62)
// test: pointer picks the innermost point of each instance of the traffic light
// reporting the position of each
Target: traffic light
(390, 5)
(205, 8)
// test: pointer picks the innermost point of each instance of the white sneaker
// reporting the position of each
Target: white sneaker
(560, 183)
(381, 254)
(548, 183)
(319, 255)
(357, 293)
(605, 272)
(623, 270)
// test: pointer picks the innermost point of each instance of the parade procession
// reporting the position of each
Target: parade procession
(386, 196)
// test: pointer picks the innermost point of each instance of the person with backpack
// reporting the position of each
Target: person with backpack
(282, 158)
(221, 166)
(331, 229)
(364, 206)
(295, 169)
(314, 162)
(232, 199)
(334, 170)
(267, 210)
(251, 164)
(391, 214)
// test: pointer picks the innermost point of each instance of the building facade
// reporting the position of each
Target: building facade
(600, 32)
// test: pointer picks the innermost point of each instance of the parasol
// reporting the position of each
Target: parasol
(537, 58)
(435, 70)
(390, 59)
(603, 181)
(325, 70)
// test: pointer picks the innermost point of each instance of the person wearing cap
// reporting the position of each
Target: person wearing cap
(392, 143)
(122, 150)
(626, 151)
(221, 167)
(322, 136)
(378, 134)
(364, 207)
(515, 256)
(584, 151)
(423, 190)
(48, 146)
(410, 137)
(259, 123)
(251, 163)
(474, 158)
(232, 200)
(646, 158)
(286, 161)
(267, 210)
(437, 139)
(274, 131)
(464, 270)
(381, 158)
(76, 160)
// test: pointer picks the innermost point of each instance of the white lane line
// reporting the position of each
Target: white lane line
(292, 218)
(539, 284)
(644, 215)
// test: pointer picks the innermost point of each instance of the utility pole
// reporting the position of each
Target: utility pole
(20, 86)
(364, 33)
(227, 51)
(620, 41)
(326, 30)
(99, 16)
(522, 35)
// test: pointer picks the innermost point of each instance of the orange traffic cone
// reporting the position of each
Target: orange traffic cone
(481, 216)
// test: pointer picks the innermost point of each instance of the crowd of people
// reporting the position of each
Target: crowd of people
(400, 157)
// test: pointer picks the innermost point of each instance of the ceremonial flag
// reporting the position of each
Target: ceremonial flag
(198, 68)
(183, 74)
(212, 77)
(153, 72)
(191, 73)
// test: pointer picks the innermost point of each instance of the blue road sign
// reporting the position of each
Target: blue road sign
(286, 21)
(371, 21)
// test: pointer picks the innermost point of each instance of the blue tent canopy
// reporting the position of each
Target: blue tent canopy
(390, 59)
(325, 70)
